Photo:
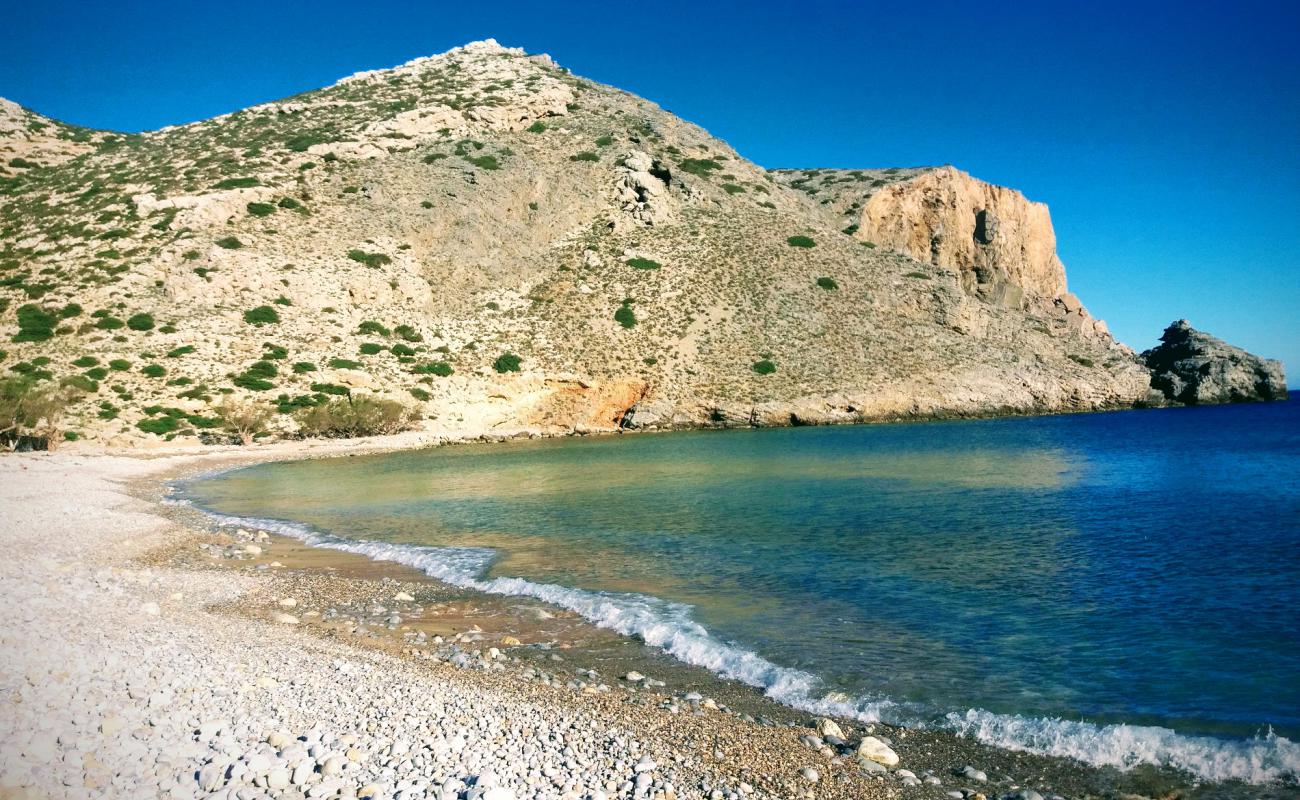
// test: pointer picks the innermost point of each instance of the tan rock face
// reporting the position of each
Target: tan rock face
(990, 235)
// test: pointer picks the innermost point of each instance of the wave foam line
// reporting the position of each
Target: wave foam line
(669, 626)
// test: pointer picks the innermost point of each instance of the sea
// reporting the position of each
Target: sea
(1119, 588)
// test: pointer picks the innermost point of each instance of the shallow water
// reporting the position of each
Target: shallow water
(1117, 587)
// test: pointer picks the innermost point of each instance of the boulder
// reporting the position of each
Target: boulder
(1193, 368)
(872, 749)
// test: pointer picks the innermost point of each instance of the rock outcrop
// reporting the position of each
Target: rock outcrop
(1193, 367)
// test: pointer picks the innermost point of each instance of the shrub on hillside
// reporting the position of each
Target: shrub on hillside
(507, 362)
(31, 415)
(243, 418)
(349, 417)
(800, 241)
(262, 315)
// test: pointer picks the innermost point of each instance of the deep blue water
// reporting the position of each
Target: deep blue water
(1137, 573)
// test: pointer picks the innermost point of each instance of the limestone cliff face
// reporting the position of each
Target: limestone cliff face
(991, 235)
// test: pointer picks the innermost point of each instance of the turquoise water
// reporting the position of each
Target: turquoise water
(1122, 588)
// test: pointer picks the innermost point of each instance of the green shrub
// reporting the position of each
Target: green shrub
(238, 183)
(35, 324)
(191, 255)
(408, 333)
(701, 167)
(440, 368)
(484, 162)
(850, 230)
(262, 315)
(401, 350)
(426, 204)
(183, 350)
(229, 243)
(585, 155)
(643, 263)
(289, 203)
(828, 284)
(731, 188)
(370, 348)
(261, 209)
(355, 416)
(344, 363)
(800, 241)
(369, 259)
(119, 365)
(1082, 360)
(372, 328)
(303, 141)
(85, 362)
(604, 141)
(159, 426)
(536, 127)
(918, 275)
(154, 370)
(624, 316)
(764, 367)
(109, 323)
(303, 366)
(330, 388)
(274, 352)
(420, 394)
(140, 322)
(69, 311)
(506, 362)
(97, 373)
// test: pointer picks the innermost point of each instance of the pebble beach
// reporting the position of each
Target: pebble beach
(145, 654)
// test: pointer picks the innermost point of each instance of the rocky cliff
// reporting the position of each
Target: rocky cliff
(1194, 368)
(498, 242)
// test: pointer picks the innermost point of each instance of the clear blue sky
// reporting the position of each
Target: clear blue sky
(1165, 136)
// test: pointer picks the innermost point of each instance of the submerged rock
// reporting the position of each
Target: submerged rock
(1193, 367)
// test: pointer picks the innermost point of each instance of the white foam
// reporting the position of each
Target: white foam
(668, 625)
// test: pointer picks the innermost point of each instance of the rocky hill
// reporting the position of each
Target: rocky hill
(499, 242)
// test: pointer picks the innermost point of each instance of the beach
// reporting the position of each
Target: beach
(148, 653)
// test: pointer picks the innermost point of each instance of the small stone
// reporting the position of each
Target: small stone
(828, 727)
(287, 602)
(278, 779)
(809, 774)
(151, 608)
(403, 597)
(633, 677)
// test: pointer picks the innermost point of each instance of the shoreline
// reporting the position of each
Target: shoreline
(768, 759)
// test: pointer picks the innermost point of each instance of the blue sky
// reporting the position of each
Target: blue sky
(1165, 136)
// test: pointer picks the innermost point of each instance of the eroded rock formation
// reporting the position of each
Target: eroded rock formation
(1193, 367)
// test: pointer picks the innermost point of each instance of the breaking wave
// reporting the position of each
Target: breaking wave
(668, 625)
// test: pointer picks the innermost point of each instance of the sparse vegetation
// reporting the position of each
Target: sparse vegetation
(229, 243)
(440, 368)
(585, 155)
(643, 263)
(800, 241)
(261, 209)
(828, 284)
(764, 367)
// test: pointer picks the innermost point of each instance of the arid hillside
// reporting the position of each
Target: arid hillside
(490, 239)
